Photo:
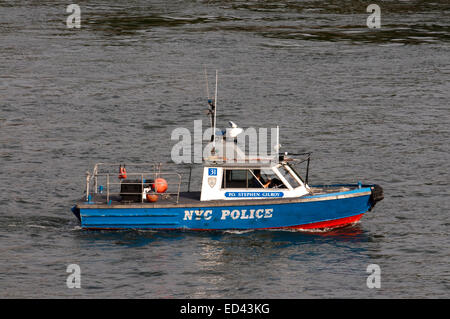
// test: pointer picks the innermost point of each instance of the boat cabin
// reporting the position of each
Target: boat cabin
(232, 181)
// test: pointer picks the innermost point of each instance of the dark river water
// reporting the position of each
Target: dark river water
(371, 104)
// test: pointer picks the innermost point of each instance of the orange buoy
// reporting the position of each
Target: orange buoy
(122, 172)
(160, 185)
(152, 198)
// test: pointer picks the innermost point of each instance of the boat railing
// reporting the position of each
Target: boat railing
(103, 185)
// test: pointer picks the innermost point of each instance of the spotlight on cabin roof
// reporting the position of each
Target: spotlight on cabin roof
(234, 131)
(232, 124)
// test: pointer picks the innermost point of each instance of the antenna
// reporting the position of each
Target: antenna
(215, 111)
(211, 108)
(206, 81)
(278, 146)
(278, 139)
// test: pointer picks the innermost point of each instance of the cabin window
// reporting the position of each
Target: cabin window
(268, 178)
(235, 178)
(244, 178)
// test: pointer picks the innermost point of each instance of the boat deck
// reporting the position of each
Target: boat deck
(192, 199)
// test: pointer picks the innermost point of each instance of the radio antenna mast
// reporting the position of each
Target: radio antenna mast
(206, 81)
(215, 111)
(212, 111)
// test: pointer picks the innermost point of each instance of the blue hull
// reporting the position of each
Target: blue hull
(308, 212)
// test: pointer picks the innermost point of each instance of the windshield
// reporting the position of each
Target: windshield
(289, 177)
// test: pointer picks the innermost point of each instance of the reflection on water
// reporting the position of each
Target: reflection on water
(214, 264)
(141, 238)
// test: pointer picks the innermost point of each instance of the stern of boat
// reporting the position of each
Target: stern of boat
(76, 211)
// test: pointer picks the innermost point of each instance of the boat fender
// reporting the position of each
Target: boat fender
(152, 198)
(376, 196)
(122, 172)
(160, 185)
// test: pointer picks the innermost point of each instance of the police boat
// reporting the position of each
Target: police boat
(237, 192)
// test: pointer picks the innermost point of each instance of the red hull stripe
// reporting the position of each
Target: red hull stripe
(319, 225)
(328, 224)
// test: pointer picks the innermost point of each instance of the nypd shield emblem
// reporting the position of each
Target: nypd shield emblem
(212, 181)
